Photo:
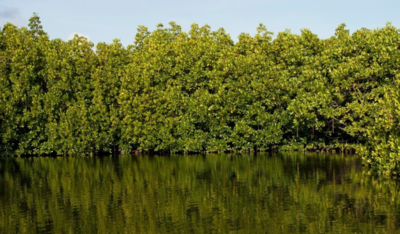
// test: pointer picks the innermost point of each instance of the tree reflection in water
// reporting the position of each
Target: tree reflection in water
(282, 193)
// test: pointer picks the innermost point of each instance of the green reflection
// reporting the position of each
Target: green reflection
(288, 193)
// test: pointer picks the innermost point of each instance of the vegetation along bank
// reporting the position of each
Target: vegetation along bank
(197, 91)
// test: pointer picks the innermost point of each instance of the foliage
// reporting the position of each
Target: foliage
(198, 91)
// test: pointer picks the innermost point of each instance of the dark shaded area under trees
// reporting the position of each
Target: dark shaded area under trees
(197, 91)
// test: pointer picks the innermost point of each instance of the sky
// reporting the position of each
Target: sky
(105, 20)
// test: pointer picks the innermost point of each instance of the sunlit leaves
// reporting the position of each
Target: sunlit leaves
(199, 91)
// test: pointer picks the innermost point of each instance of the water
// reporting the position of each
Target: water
(283, 193)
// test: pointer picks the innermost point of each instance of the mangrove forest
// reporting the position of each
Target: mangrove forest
(172, 91)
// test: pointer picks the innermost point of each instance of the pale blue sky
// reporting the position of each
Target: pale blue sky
(102, 20)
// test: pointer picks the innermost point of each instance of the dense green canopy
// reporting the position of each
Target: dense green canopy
(197, 91)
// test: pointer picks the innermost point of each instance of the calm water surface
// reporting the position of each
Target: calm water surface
(283, 193)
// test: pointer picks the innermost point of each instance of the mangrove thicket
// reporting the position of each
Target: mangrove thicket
(200, 91)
